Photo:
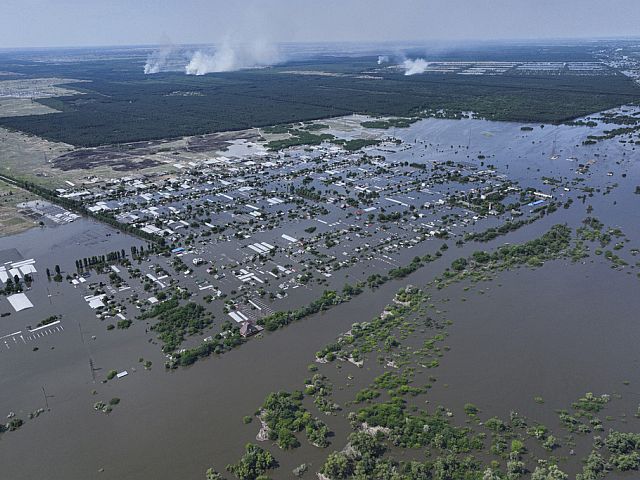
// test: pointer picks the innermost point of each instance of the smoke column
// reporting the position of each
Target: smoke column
(231, 56)
(157, 61)
(414, 67)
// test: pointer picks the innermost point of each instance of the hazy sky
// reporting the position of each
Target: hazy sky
(33, 23)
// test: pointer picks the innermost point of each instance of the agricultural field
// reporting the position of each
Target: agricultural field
(16, 107)
(13, 218)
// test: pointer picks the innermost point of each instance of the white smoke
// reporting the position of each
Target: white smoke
(383, 59)
(231, 56)
(414, 67)
(157, 61)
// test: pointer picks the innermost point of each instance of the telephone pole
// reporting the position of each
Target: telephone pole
(46, 399)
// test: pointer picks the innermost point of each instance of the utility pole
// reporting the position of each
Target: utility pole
(46, 399)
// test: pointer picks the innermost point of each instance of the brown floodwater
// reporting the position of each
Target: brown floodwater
(556, 332)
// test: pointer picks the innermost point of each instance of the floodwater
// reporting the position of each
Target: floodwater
(556, 332)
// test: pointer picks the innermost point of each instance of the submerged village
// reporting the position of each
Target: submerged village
(220, 240)
(320, 240)
(265, 227)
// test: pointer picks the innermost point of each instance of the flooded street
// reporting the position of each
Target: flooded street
(556, 332)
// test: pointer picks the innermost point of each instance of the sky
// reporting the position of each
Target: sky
(56, 23)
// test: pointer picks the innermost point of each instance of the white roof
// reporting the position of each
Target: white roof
(27, 269)
(238, 316)
(95, 303)
(289, 238)
(19, 302)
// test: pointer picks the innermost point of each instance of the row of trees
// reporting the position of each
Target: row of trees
(87, 262)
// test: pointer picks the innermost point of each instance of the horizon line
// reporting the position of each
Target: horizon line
(423, 42)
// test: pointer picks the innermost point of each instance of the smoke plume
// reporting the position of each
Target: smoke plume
(414, 67)
(231, 56)
(157, 61)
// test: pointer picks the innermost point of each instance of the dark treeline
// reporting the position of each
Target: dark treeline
(132, 107)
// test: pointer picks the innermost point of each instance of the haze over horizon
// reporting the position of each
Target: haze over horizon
(75, 23)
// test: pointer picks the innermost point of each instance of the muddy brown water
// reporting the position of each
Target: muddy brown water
(557, 332)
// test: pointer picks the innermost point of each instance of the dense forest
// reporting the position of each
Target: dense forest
(120, 104)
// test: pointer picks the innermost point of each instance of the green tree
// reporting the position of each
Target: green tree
(213, 475)
(337, 466)
(253, 463)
